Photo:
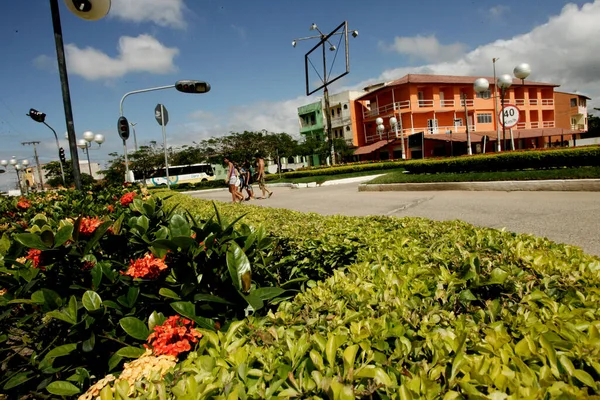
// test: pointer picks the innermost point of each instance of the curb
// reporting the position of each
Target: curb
(555, 185)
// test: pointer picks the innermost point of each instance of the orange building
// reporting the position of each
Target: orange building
(435, 111)
(571, 110)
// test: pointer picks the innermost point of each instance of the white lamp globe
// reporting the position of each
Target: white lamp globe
(522, 71)
(393, 121)
(82, 143)
(25, 163)
(505, 81)
(481, 85)
(88, 136)
(379, 121)
(4, 163)
(13, 161)
(99, 138)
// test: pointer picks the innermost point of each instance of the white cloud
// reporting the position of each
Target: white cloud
(202, 115)
(162, 12)
(136, 54)
(498, 11)
(45, 62)
(426, 48)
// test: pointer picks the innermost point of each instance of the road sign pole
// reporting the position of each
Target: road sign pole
(164, 133)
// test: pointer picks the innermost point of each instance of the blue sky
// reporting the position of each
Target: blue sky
(243, 49)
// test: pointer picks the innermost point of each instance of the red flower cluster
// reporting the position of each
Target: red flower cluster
(127, 198)
(148, 267)
(110, 208)
(35, 256)
(173, 337)
(23, 204)
(89, 225)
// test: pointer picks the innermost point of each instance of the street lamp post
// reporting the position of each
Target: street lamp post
(342, 29)
(41, 117)
(15, 163)
(481, 85)
(381, 129)
(86, 9)
(185, 86)
(394, 124)
(86, 143)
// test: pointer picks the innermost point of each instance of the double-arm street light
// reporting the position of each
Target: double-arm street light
(393, 125)
(185, 86)
(89, 10)
(86, 145)
(504, 82)
(326, 79)
(15, 163)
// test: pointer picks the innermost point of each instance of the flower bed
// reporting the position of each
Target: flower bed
(418, 309)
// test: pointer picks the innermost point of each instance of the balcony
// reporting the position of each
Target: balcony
(425, 103)
(447, 103)
(535, 125)
(548, 124)
(580, 127)
(470, 102)
(547, 102)
(387, 109)
(340, 121)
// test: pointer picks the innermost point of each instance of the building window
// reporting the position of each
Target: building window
(345, 106)
(484, 95)
(347, 128)
(573, 102)
(458, 122)
(581, 102)
(484, 118)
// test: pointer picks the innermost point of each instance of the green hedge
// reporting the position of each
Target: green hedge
(509, 161)
(428, 310)
(344, 169)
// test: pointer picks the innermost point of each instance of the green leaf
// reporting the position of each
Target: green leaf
(130, 352)
(209, 298)
(254, 301)
(237, 264)
(4, 244)
(47, 238)
(165, 292)
(188, 310)
(268, 293)
(134, 328)
(333, 343)
(91, 300)
(155, 319)
(17, 380)
(498, 276)
(31, 240)
(349, 357)
(96, 276)
(63, 316)
(47, 297)
(132, 295)
(60, 351)
(466, 296)
(62, 388)
(71, 310)
(89, 344)
(113, 361)
(178, 226)
(62, 235)
(584, 378)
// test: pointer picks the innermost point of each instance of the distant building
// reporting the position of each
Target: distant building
(30, 177)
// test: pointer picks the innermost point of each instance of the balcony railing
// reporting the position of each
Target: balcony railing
(534, 125)
(470, 102)
(425, 103)
(447, 103)
(387, 109)
(533, 102)
(519, 102)
(580, 127)
(548, 124)
(547, 102)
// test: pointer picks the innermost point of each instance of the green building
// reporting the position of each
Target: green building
(311, 124)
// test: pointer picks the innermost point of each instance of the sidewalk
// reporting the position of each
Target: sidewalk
(551, 185)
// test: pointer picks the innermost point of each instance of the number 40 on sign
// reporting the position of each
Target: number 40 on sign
(509, 116)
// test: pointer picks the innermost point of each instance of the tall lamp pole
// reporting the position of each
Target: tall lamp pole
(86, 143)
(38, 116)
(86, 10)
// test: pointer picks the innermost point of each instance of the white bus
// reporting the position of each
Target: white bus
(179, 174)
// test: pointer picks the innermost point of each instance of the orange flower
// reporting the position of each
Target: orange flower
(110, 208)
(127, 198)
(173, 336)
(89, 225)
(148, 267)
(35, 256)
(23, 204)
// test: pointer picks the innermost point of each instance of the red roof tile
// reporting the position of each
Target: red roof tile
(372, 147)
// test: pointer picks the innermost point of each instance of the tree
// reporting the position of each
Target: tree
(115, 173)
(593, 126)
(144, 161)
(54, 177)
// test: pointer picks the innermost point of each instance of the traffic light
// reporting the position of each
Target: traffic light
(192, 86)
(37, 115)
(61, 155)
(123, 128)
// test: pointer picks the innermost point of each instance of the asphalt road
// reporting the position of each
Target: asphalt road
(564, 217)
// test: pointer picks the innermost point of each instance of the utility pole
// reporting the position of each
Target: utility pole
(37, 162)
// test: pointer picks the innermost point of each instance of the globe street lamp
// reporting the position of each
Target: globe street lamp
(394, 124)
(86, 143)
(13, 161)
(381, 129)
(481, 85)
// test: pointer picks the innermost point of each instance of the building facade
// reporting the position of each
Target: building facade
(440, 108)
(571, 110)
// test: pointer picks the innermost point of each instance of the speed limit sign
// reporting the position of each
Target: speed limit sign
(509, 116)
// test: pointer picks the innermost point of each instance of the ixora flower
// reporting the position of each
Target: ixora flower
(148, 267)
(127, 198)
(173, 337)
(23, 204)
(35, 256)
(89, 225)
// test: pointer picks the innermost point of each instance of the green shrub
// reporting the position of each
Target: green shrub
(429, 310)
(337, 170)
(509, 161)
